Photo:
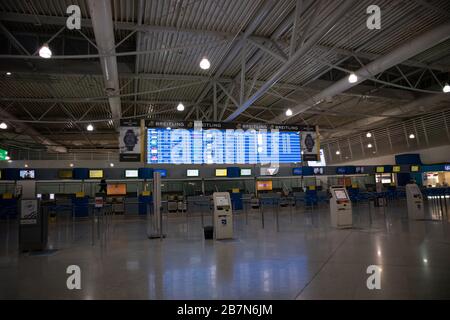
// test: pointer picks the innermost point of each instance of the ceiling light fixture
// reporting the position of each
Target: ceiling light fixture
(180, 107)
(338, 152)
(412, 136)
(3, 126)
(111, 164)
(205, 64)
(369, 145)
(446, 88)
(45, 52)
(71, 165)
(352, 78)
(8, 73)
(368, 135)
(288, 112)
(26, 166)
(90, 127)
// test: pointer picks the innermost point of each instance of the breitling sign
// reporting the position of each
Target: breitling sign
(130, 140)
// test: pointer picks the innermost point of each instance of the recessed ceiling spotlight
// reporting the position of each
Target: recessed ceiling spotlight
(3, 126)
(288, 112)
(368, 134)
(45, 52)
(369, 145)
(9, 160)
(26, 165)
(180, 107)
(353, 78)
(8, 73)
(446, 88)
(71, 165)
(205, 64)
(111, 164)
(412, 136)
(90, 127)
(338, 152)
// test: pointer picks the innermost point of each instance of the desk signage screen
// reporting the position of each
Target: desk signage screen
(116, 189)
(264, 185)
(222, 143)
(380, 169)
(163, 172)
(65, 174)
(246, 172)
(95, 174)
(414, 168)
(26, 174)
(359, 170)
(318, 170)
(192, 173)
(221, 172)
(131, 173)
(396, 169)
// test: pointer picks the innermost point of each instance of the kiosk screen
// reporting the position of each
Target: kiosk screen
(340, 195)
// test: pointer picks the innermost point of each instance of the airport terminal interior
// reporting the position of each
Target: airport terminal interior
(226, 150)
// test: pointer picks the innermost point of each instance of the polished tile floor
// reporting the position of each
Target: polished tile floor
(305, 259)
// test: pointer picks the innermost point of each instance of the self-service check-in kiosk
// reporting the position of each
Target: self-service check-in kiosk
(223, 216)
(340, 208)
(414, 200)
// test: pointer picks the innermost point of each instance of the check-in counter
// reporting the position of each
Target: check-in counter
(131, 205)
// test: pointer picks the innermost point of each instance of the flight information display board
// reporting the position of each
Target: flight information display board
(222, 145)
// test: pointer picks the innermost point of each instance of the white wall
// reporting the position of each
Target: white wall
(428, 156)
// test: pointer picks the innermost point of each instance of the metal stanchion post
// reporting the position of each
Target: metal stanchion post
(277, 204)
(92, 226)
(262, 213)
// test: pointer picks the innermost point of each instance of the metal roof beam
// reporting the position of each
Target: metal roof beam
(401, 53)
(322, 30)
(102, 23)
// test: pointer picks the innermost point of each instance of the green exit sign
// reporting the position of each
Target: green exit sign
(3, 154)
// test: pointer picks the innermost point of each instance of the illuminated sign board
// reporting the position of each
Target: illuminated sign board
(318, 170)
(222, 143)
(414, 168)
(396, 169)
(3, 154)
(359, 170)
(221, 172)
(246, 172)
(26, 174)
(116, 189)
(192, 173)
(131, 173)
(264, 185)
(96, 174)
(163, 172)
(380, 169)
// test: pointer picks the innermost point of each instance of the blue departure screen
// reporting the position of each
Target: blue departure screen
(222, 146)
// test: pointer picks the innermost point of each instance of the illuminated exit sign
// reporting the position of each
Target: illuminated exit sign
(3, 154)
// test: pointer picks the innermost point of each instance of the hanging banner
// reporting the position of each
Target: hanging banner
(129, 140)
(310, 145)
